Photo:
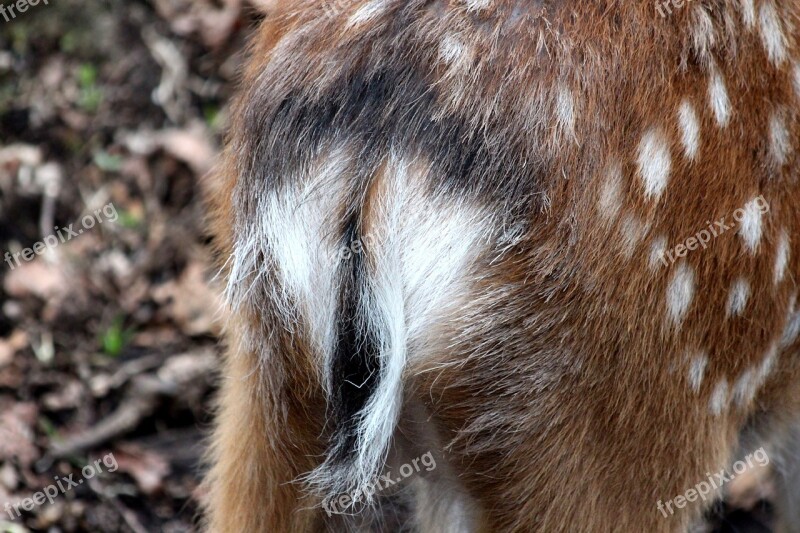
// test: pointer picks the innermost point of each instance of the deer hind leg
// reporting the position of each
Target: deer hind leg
(266, 437)
(270, 435)
(549, 424)
(772, 436)
(773, 439)
(574, 468)
(787, 481)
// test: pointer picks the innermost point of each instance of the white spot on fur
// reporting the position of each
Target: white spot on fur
(658, 251)
(751, 380)
(655, 163)
(750, 226)
(680, 293)
(632, 231)
(744, 389)
(782, 256)
(718, 402)
(697, 370)
(748, 13)
(452, 50)
(510, 237)
(367, 12)
(768, 364)
(610, 201)
(690, 129)
(796, 76)
(718, 98)
(703, 34)
(565, 109)
(791, 330)
(477, 5)
(780, 143)
(771, 33)
(737, 297)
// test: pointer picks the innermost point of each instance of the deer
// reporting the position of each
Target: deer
(552, 244)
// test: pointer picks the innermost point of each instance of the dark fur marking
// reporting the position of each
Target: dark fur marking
(380, 103)
(356, 361)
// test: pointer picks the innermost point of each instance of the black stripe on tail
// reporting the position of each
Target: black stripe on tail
(355, 368)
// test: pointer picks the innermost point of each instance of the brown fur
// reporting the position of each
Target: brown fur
(558, 392)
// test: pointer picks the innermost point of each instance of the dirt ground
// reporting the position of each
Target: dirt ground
(107, 338)
(110, 112)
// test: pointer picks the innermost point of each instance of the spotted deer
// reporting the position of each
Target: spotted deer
(553, 243)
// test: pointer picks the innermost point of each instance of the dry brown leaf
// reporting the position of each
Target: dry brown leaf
(146, 467)
(37, 278)
(214, 25)
(16, 433)
(10, 346)
(9, 478)
(190, 301)
(157, 336)
(191, 145)
(67, 397)
(178, 367)
(49, 515)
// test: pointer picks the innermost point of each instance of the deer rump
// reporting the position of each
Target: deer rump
(369, 281)
(371, 222)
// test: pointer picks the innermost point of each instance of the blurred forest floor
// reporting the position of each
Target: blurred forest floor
(107, 341)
